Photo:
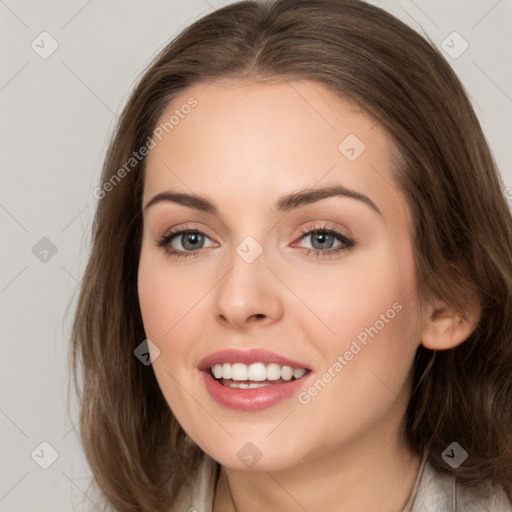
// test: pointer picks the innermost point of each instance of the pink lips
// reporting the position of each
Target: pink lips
(250, 399)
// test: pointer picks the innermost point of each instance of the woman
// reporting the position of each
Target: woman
(301, 226)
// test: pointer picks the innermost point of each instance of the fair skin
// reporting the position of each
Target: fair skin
(243, 146)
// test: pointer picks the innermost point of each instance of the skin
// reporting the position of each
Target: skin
(243, 146)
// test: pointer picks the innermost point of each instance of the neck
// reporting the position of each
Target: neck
(374, 472)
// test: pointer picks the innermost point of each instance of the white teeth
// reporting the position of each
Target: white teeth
(256, 372)
(226, 371)
(287, 372)
(273, 371)
(239, 371)
(246, 386)
(299, 372)
(217, 371)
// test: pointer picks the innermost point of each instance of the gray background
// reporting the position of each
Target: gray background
(57, 113)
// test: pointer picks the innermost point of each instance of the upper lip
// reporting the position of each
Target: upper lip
(254, 355)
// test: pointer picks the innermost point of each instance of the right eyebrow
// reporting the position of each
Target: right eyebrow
(190, 200)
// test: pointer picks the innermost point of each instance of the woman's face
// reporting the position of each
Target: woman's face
(320, 282)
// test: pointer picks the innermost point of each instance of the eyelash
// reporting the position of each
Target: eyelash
(347, 244)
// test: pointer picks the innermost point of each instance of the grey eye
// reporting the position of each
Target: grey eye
(325, 240)
(191, 241)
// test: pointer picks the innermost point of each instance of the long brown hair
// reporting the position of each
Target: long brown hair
(462, 237)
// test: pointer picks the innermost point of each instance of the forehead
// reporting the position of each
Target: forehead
(254, 141)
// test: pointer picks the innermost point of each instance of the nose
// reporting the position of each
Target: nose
(248, 294)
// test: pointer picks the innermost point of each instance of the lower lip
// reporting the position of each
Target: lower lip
(253, 399)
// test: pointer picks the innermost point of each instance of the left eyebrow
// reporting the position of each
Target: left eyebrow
(284, 203)
(307, 196)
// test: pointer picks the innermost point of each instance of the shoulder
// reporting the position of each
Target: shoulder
(436, 491)
(433, 491)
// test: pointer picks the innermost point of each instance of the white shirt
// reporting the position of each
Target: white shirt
(433, 491)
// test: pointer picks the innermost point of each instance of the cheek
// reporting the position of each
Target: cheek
(155, 303)
(373, 312)
(171, 308)
(165, 297)
(374, 289)
(164, 314)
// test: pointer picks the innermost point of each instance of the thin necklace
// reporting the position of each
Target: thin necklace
(230, 495)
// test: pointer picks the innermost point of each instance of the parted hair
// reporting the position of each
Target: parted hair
(138, 453)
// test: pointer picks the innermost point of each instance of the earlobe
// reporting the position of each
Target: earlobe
(444, 329)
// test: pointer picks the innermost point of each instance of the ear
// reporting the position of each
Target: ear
(444, 329)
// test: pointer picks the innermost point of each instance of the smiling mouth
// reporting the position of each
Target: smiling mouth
(255, 375)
